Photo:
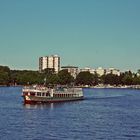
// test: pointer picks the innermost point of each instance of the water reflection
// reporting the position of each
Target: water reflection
(50, 105)
(40, 106)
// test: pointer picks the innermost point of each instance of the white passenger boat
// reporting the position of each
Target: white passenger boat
(47, 95)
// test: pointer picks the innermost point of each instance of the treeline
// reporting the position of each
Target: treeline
(28, 77)
(48, 77)
(126, 78)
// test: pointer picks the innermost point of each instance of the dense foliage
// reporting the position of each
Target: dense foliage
(28, 77)
(4, 75)
(84, 78)
(48, 77)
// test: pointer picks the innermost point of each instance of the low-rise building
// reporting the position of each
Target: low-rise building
(71, 69)
(113, 71)
(100, 71)
(88, 69)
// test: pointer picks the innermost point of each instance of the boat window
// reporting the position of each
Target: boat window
(48, 93)
(32, 93)
(38, 94)
(25, 93)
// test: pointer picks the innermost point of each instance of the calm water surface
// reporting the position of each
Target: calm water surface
(105, 114)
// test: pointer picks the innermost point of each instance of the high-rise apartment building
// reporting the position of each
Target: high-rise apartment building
(52, 61)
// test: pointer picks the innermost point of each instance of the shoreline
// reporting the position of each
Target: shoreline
(112, 87)
(92, 87)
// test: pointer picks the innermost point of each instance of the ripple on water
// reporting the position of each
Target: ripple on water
(104, 114)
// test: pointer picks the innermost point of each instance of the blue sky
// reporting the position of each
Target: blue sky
(84, 33)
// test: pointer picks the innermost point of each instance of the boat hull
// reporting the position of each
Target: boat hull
(34, 100)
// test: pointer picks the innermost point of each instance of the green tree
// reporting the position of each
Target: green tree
(53, 80)
(85, 78)
(64, 78)
(4, 75)
(95, 79)
(48, 71)
(110, 79)
(127, 80)
(136, 80)
(27, 77)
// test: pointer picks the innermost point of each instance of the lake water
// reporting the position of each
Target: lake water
(105, 114)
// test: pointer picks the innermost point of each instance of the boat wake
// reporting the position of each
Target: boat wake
(104, 97)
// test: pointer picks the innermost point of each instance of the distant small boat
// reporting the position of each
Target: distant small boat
(47, 95)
